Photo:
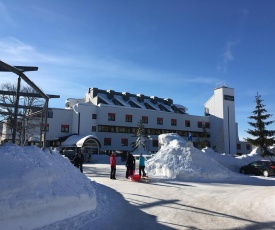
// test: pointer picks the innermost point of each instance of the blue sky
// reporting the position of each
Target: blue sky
(178, 49)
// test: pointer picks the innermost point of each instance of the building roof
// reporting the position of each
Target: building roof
(77, 140)
(125, 99)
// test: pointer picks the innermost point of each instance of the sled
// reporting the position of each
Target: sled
(135, 177)
(138, 178)
(144, 179)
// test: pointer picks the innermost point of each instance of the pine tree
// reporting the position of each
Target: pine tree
(264, 138)
(204, 141)
(142, 138)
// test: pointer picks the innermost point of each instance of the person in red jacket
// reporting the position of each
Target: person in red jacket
(113, 166)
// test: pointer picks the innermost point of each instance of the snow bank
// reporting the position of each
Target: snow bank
(38, 185)
(178, 160)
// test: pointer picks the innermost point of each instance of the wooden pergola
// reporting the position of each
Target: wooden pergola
(19, 70)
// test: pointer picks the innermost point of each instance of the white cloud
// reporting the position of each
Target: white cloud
(73, 71)
(5, 15)
(112, 68)
(227, 55)
(14, 51)
(244, 15)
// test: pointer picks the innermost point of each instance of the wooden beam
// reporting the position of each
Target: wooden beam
(24, 77)
(13, 93)
(7, 113)
(21, 106)
(21, 68)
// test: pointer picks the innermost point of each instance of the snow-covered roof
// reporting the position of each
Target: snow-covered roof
(110, 97)
(76, 140)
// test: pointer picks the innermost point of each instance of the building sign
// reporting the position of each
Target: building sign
(228, 98)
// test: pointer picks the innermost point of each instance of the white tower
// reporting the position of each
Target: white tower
(221, 109)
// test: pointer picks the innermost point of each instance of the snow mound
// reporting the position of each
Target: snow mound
(178, 160)
(45, 190)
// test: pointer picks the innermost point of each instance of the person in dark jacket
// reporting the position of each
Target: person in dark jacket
(78, 161)
(113, 166)
(81, 162)
(130, 165)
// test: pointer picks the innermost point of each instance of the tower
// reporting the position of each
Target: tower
(221, 109)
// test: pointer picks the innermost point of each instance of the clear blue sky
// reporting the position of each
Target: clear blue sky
(178, 49)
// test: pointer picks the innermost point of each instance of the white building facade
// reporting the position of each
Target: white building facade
(106, 120)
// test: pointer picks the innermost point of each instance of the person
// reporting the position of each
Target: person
(142, 165)
(81, 162)
(130, 165)
(62, 151)
(113, 166)
(189, 136)
(77, 160)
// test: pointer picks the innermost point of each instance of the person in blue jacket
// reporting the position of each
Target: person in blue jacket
(142, 165)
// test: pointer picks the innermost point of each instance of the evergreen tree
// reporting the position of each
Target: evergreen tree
(204, 141)
(264, 138)
(142, 138)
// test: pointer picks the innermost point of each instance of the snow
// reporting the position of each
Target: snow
(188, 188)
(176, 161)
(34, 189)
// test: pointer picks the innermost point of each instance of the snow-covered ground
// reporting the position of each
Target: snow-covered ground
(188, 189)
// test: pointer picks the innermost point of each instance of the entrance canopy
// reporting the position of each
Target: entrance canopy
(79, 141)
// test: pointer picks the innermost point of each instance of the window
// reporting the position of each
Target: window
(228, 98)
(207, 125)
(124, 142)
(133, 104)
(144, 119)
(94, 116)
(107, 141)
(128, 118)
(148, 106)
(122, 129)
(160, 121)
(93, 128)
(50, 114)
(187, 123)
(158, 131)
(111, 116)
(238, 146)
(199, 124)
(206, 112)
(174, 122)
(248, 147)
(65, 128)
(117, 102)
(102, 128)
(162, 108)
(155, 143)
(45, 127)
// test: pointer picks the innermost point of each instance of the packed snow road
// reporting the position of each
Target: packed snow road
(171, 204)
